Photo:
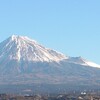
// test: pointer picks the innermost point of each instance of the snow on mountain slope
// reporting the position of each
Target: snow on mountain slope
(82, 61)
(22, 48)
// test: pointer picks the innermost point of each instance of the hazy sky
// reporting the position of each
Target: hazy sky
(68, 26)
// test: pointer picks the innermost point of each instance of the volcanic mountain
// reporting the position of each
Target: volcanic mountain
(24, 61)
(18, 54)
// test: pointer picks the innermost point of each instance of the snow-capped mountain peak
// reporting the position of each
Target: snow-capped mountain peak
(24, 48)
(24, 38)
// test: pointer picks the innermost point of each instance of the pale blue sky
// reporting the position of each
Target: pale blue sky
(68, 26)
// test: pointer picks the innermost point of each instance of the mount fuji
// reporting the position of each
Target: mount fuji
(24, 61)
